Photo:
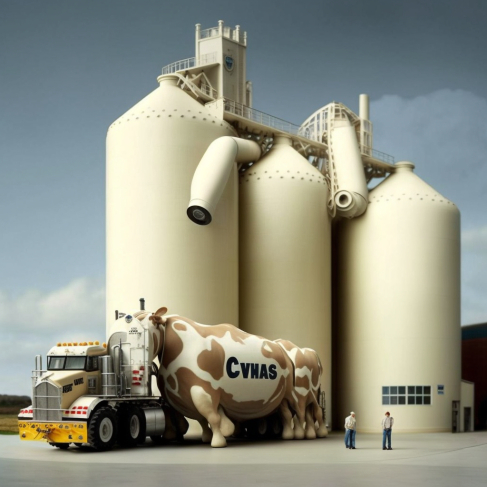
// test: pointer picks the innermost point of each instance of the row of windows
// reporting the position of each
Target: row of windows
(72, 363)
(402, 390)
(406, 395)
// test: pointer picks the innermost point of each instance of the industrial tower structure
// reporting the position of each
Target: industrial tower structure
(283, 238)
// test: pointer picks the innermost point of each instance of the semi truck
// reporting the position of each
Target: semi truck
(102, 394)
(97, 393)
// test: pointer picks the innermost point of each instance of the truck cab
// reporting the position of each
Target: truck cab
(96, 393)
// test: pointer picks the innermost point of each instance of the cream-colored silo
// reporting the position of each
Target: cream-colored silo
(397, 308)
(153, 250)
(285, 243)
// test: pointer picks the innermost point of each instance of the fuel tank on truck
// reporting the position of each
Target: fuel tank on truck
(153, 249)
(396, 317)
(285, 249)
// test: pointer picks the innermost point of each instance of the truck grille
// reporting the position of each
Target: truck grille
(47, 402)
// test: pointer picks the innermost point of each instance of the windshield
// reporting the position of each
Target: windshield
(55, 363)
(66, 363)
(75, 363)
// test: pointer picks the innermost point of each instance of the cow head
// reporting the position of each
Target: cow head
(157, 318)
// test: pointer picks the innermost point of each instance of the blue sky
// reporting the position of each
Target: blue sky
(69, 68)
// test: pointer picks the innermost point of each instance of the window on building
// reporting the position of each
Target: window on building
(406, 395)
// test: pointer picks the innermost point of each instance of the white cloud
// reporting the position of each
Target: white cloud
(33, 322)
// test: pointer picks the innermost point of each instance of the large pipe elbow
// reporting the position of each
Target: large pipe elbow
(352, 195)
(350, 204)
(212, 173)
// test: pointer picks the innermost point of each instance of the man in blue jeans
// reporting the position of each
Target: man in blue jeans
(350, 428)
(387, 423)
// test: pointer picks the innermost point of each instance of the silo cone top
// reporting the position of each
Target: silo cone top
(404, 166)
(404, 182)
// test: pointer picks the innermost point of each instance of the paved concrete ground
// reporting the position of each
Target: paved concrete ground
(441, 459)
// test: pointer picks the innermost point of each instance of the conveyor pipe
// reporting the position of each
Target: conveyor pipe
(212, 173)
(352, 195)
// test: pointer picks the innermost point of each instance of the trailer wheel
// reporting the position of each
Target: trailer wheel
(257, 428)
(274, 426)
(102, 430)
(131, 421)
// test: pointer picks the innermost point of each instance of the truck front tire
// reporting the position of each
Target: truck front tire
(103, 429)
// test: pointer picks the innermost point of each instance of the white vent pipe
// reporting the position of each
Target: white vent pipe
(364, 107)
(212, 173)
(351, 201)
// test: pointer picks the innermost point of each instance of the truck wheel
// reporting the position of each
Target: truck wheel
(131, 421)
(102, 430)
(257, 428)
(274, 426)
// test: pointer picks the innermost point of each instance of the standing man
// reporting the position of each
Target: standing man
(387, 423)
(350, 428)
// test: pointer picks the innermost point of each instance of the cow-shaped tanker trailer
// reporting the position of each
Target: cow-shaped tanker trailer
(231, 382)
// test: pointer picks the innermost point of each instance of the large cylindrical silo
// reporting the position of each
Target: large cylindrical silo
(397, 308)
(153, 250)
(285, 245)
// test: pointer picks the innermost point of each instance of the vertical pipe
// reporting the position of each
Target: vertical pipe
(197, 43)
(249, 94)
(364, 107)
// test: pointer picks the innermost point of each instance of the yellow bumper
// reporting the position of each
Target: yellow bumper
(63, 432)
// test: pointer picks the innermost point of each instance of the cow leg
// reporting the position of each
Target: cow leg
(299, 419)
(204, 404)
(321, 432)
(287, 421)
(299, 422)
(227, 427)
(310, 423)
(170, 429)
(182, 424)
(207, 434)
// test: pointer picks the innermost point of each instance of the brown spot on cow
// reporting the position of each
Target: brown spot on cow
(300, 359)
(183, 401)
(176, 347)
(286, 344)
(180, 326)
(316, 372)
(217, 331)
(274, 353)
(302, 382)
(212, 360)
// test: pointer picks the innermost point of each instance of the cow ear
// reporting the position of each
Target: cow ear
(161, 311)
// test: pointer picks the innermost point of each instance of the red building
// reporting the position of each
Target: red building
(474, 368)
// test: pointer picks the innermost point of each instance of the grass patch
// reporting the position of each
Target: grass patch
(9, 424)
